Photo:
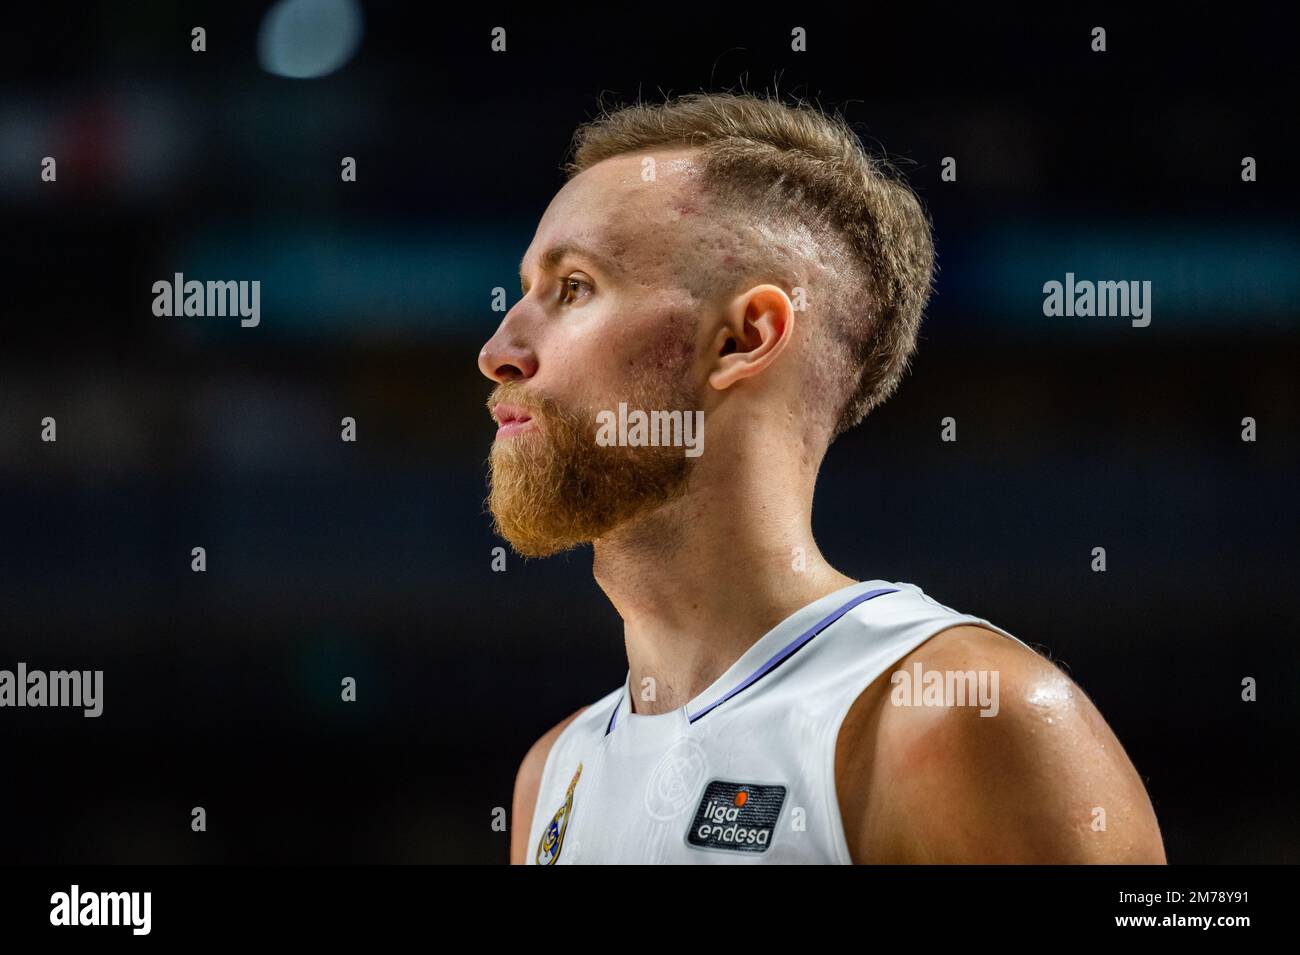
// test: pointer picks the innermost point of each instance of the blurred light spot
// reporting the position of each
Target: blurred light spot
(305, 39)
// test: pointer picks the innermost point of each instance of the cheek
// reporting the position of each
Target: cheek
(595, 353)
(631, 346)
(653, 358)
(584, 362)
(671, 343)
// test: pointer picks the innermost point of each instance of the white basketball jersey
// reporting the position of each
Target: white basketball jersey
(745, 772)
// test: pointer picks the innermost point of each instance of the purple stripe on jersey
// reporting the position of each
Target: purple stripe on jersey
(614, 714)
(789, 649)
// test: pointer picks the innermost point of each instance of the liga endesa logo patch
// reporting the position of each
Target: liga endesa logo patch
(740, 817)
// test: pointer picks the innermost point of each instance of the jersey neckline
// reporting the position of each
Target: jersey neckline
(764, 656)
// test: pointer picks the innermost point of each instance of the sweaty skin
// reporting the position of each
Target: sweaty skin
(1032, 784)
(947, 786)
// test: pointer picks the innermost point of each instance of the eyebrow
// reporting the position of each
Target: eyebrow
(552, 257)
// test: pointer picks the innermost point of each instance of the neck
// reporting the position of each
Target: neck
(699, 581)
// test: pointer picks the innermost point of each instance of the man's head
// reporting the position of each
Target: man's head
(723, 253)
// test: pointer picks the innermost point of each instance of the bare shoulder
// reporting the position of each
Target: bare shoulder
(527, 782)
(975, 749)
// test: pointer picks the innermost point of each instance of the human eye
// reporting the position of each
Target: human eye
(573, 289)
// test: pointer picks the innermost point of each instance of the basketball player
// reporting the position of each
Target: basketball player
(735, 256)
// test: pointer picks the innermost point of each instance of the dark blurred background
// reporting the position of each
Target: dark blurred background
(373, 560)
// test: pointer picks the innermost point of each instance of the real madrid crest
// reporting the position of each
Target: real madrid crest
(548, 849)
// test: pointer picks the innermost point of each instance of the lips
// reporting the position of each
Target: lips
(511, 419)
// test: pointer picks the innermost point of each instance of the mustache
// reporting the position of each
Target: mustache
(536, 404)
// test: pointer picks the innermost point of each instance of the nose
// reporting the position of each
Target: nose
(505, 357)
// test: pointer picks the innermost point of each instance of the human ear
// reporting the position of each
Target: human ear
(756, 328)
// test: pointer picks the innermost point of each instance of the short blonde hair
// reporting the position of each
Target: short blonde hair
(795, 163)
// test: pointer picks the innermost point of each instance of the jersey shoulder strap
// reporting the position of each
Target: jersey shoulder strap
(867, 643)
